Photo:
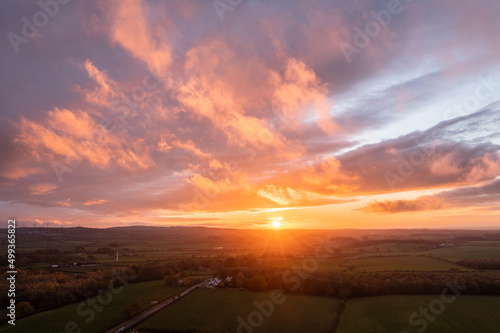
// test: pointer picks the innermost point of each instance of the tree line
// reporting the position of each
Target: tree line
(39, 290)
(480, 264)
(345, 286)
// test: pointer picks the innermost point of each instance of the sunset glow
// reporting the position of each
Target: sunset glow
(174, 113)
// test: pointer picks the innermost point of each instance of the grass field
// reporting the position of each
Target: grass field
(402, 263)
(391, 246)
(370, 264)
(456, 253)
(218, 309)
(329, 265)
(110, 314)
(391, 314)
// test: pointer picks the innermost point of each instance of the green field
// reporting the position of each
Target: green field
(402, 263)
(110, 314)
(218, 309)
(391, 246)
(329, 265)
(370, 264)
(456, 253)
(391, 314)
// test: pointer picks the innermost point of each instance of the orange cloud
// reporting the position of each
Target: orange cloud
(163, 144)
(298, 93)
(40, 189)
(210, 93)
(485, 167)
(219, 178)
(94, 202)
(286, 196)
(189, 145)
(131, 30)
(327, 174)
(105, 89)
(19, 172)
(65, 203)
(74, 135)
(211, 101)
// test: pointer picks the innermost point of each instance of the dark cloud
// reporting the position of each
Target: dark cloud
(485, 196)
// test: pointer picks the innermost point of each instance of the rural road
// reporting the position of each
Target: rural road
(126, 325)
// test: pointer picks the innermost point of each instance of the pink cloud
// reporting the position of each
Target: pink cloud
(132, 30)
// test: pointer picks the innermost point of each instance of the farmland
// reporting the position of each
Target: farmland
(402, 262)
(465, 252)
(315, 268)
(218, 310)
(388, 314)
(111, 313)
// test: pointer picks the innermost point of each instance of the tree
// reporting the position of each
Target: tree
(239, 280)
(133, 310)
(186, 281)
(24, 309)
(258, 282)
(171, 280)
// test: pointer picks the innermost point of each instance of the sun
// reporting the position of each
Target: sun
(276, 224)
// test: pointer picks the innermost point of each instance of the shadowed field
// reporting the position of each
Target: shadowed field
(110, 314)
(391, 314)
(218, 311)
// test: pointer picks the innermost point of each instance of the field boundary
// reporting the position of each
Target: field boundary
(340, 312)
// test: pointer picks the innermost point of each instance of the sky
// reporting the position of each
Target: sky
(240, 113)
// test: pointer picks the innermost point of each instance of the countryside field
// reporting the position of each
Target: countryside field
(218, 311)
(110, 315)
(390, 314)
(465, 252)
(401, 262)
(350, 258)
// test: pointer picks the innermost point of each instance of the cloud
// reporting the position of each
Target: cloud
(219, 178)
(398, 206)
(469, 196)
(105, 89)
(300, 94)
(282, 196)
(452, 153)
(133, 30)
(326, 173)
(18, 172)
(206, 95)
(75, 135)
(41, 189)
(94, 202)
(65, 203)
